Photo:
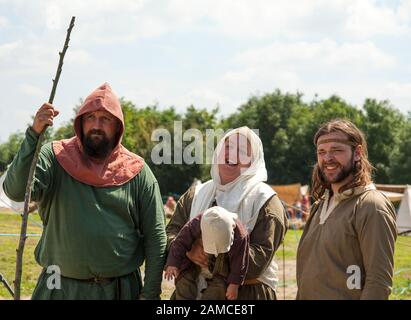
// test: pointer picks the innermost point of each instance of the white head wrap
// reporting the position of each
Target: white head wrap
(246, 194)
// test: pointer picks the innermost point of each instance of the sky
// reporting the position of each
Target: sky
(203, 52)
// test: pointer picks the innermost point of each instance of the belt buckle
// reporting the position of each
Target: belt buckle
(97, 280)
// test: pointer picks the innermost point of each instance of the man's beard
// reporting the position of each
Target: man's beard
(100, 148)
(344, 172)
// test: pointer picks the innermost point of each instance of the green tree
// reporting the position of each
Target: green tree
(270, 114)
(383, 127)
(286, 127)
(142, 122)
(66, 130)
(9, 149)
(401, 162)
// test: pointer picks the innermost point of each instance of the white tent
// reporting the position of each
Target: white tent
(393, 196)
(404, 212)
(5, 201)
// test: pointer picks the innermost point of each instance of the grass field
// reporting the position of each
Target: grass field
(10, 223)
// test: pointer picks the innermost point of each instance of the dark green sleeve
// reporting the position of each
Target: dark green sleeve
(18, 172)
(266, 237)
(153, 228)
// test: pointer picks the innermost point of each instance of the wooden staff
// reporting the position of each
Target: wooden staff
(27, 196)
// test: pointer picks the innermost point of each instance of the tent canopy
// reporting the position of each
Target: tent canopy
(290, 193)
(5, 202)
(393, 196)
(404, 212)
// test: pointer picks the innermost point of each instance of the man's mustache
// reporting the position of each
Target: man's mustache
(96, 131)
(330, 164)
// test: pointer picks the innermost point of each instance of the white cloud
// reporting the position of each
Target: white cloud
(352, 70)
(355, 48)
(262, 19)
(204, 98)
(359, 56)
(79, 57)
(124, 21)
(295, 18)
(165, 96)
(357, 91)
(121, 21)
(4, 22)
(53, 17)
(8, 49)
(367, 19)
(240, 76)
(30, 58)
(324, 55)
(26, 58)
(404, 11)
(398, 93)
(31, 90)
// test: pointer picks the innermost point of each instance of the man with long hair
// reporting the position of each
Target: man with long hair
(347, 247)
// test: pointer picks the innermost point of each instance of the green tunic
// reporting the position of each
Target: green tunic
(93, 232)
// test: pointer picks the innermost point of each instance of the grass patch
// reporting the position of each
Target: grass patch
(10, 223)
(402, 269)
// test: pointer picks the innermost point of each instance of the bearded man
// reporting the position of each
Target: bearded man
(347, 247)
(100, 206)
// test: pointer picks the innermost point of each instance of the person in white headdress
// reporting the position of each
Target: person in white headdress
(237, 184)
(226, 242)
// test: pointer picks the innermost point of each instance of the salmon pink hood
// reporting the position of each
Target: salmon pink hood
(119, 167)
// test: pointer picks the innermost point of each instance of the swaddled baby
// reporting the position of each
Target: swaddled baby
(226, 242)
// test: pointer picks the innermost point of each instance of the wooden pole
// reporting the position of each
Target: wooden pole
(27, 196)
(4, 281)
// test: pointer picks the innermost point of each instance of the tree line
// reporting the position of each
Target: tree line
(286, 127)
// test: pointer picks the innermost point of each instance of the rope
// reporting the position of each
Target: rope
(288, 217)
(38, 224)
(401, 271)
(18, 235)
(403, 233)
(296, 208)
(296, 237)
(283, 270)
(14, 211)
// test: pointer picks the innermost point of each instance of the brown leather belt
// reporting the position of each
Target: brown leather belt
(249, 282)
(93, 280)
(98, 280)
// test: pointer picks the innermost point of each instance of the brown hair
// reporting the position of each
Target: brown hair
(362, 168)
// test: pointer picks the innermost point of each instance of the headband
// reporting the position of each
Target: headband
(344, 141)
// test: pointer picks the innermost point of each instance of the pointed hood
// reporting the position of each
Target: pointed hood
(119, 167)
(101, 99)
